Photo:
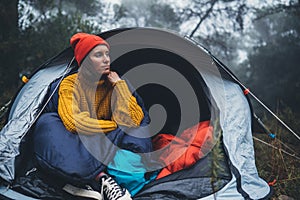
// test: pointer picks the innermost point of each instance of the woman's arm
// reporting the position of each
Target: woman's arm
(73, 118)
(125, 108)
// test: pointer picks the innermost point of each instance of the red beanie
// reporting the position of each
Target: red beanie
(83, 43)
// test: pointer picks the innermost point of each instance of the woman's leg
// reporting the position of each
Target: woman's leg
(62, 153)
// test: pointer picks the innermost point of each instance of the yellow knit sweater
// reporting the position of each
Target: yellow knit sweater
(89, 108)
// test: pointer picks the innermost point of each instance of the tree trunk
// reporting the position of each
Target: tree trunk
(8, 47)
(8, 19)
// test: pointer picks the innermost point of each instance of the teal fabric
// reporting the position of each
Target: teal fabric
(129, 171)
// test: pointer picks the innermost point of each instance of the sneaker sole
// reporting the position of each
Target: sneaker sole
(75, 191)
(127, 196)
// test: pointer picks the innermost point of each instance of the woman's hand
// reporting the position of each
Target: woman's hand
(113, 77)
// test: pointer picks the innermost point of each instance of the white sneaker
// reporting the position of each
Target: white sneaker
(112, 190)
(71, 189)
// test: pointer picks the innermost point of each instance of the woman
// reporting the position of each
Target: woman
(94, 104)
(94, 109)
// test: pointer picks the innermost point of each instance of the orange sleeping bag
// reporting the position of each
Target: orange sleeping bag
(182, 151)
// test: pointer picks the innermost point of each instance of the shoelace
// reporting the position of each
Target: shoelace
(112, 190)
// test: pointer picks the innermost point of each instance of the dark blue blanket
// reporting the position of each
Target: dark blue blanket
(80, 158)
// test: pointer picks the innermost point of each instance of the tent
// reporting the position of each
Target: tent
(182, 84)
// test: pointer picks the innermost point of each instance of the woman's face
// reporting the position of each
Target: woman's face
(100, 60)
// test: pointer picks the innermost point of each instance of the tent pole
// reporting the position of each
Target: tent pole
(244, 88)
(51, 95)
(4, 109)
(257, 99)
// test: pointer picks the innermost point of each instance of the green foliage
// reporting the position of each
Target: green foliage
(48, 33)
(210, 16)
(146, 14)
(274, 71)
(44, 31)
(275, 163)
(51, 38)
(163, 16)
(8, 45)
(89, 7)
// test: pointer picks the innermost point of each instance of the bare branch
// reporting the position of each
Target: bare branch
(203, 18)
(278, 9)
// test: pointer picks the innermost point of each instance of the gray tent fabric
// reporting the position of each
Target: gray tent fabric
(7, 192)
(237, 138)
(235, 114)
(20, 119)
(229, 106)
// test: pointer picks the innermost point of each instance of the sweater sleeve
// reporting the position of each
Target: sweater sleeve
(125, 108)
(73, 118)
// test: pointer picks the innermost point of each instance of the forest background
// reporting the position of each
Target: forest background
(259, 40)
